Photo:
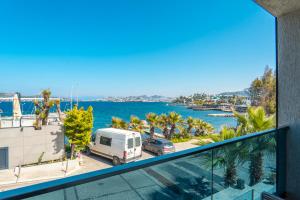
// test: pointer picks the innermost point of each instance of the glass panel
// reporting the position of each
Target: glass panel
(245, 166)
(130, 143)
(246, 196)
(184, 178)
(137, 141)
(240, 171)
(105, 141)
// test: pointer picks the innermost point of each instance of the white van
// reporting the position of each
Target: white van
(122, 146)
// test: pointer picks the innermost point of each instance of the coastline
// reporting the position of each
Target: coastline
(104, 111)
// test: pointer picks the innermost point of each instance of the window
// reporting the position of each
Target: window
(105, 141)
(130, 143)
(93, 138)
(153, 141)
(137, 141)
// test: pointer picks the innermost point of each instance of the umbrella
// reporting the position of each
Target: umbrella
(17, 113)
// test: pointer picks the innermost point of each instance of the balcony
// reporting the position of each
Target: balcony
(241, 168)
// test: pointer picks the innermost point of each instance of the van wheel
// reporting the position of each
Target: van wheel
(159, 153)
(88, 151)
(116, 161)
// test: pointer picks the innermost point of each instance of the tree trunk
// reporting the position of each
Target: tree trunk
(152, 132)
(256, 168)
(230, 174)
(172, 131)
(197, 132)
(166, 132)
(38, 125)
(72, 151)
(189, 130)
(45, 119)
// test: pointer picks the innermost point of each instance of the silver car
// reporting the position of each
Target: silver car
(158, 146)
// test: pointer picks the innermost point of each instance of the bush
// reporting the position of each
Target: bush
(178, 140)
(201, 143)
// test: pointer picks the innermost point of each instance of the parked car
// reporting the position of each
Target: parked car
(122, 146)
(158, 146)
(145, 137)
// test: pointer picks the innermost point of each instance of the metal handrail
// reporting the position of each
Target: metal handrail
(67, 182)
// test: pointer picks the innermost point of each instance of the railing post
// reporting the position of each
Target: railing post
(281, 161)
(212, 174)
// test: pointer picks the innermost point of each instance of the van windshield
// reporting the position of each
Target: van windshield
(130, 143)
(137, 141)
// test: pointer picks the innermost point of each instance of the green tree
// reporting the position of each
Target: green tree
(136, 124)
(253, 121)
(152, 119)
(163, 124)
(78, 128)
(190, 125)
(202, 128)
(42, 109)
(183, 132)
(118, 123)
(229, 156)
(174, 119)
(263, 91)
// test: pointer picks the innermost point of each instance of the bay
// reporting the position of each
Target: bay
(104, 111)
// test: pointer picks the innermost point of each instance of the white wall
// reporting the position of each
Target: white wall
(25, 145)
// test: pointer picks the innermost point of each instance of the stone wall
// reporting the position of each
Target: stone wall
(26, 145)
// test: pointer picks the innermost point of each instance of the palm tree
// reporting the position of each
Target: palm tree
(183, 132)
(136, 124)
(253, 121)
(152, 119)
(208, 128)
(42, 109)
(229, 156)
(202, 128)
(163, 123)
(190, 124)
(174, 120)
(227, 133)
(118, 123)
(198, 127)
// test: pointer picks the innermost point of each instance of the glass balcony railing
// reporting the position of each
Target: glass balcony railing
(241, 168)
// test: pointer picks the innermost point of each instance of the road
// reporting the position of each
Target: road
(90, 163)
(95, 162)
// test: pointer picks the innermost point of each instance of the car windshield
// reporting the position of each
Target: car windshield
(168, 144)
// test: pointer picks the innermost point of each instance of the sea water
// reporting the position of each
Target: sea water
(104, 111)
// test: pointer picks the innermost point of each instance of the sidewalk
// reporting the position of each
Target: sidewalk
(37, 173)
(186, 145)
(42, 173)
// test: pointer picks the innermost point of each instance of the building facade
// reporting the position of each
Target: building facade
(25, 145)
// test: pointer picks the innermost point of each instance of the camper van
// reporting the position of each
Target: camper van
(122, 146)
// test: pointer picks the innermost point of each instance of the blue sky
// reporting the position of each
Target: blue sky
(133, 47)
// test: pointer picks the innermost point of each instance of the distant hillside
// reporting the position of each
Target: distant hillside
(244, 93)
(141, 98)
(3, 94)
